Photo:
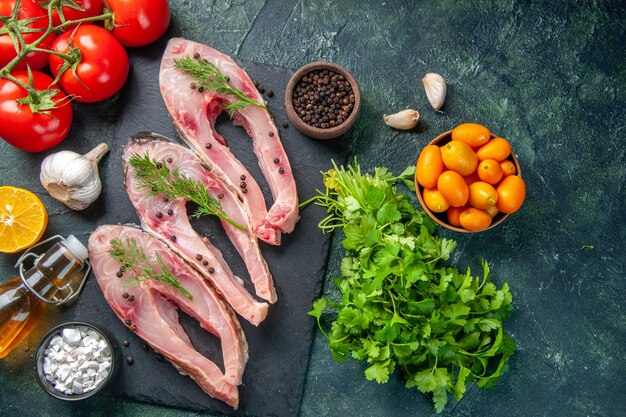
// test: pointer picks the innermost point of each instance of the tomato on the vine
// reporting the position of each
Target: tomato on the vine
(91, 8)
(28, 10)
(103, 66)
(138, 22)
(39, 130)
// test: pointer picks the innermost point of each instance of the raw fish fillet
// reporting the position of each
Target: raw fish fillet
(194, 114)
(152, 314)
(188, 244)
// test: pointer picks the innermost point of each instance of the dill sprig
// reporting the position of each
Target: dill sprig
(159, 180)
(209, 76)
(135, 261)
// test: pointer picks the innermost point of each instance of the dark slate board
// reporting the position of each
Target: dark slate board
(279, 347)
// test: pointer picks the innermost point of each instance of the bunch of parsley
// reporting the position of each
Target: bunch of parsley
(402, 309)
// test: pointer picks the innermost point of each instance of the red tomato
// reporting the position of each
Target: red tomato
(28, 10)
(92, 8)
(32, 132)
(103, 66)
(139, 22)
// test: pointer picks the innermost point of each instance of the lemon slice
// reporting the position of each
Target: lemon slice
(23, 219)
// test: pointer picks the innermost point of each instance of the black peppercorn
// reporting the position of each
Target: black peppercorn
(196, 55)
(205, 263)
(170, 212)
(276, 160)
(318, 96)
(281, 170)
(159, 215)
(199, 257)
(211, 270)
(271, 134)
(125, 295)
(125, 343)
(208, 146)
(173, 238)
(130, 360)
(119, 274)
(242, 177)
(131, 298)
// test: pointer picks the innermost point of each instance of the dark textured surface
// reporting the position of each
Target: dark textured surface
(548, 75)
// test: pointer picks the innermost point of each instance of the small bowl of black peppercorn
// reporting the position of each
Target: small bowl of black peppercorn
(322, 100)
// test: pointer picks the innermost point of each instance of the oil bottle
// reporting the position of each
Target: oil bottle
(55, 277)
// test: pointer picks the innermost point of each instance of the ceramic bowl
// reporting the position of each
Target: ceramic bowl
(441, 218)
(301, 125)
(39, 357)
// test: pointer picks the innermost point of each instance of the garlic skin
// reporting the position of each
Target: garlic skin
(435, 87)
(72, 178)
(404, 120)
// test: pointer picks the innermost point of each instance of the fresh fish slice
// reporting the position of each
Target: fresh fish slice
(168, 219)
(151, 311)
(175, 156)
(194, 116)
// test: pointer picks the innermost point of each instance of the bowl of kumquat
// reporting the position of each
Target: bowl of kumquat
(468, 179)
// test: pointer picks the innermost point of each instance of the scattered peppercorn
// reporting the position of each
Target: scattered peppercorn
(127, 322)
(281, 170)
(245, 190)
(285, 125)
(173, 238)
(125, 295)
(271, 134)
(129, 360)
(169, 160)
(125, 343)
(170, 212)
(119, 274)
(199, 257)
(208, 146)
(242, 184)
(196, 55)
(205, 263)
(242, 177)
(193, 86)
(276, 160)
(270, 93)
(261, 88)
(131, 298)
(220, 196)
(165, 199)
(200, 89)
(211, 270)
(159, 215)
(323, 98)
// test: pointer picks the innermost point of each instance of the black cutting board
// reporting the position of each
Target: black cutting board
(279, 347)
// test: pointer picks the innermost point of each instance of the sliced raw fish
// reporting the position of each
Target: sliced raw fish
(149, 309)
(188, 244)
(194, 114)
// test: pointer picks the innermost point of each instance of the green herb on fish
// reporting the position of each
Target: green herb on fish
(208, 76)
(135, 261)
(159, 180)
(400, 308)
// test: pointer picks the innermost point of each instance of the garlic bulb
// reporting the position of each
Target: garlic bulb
(72, 178)
(435, 87)
(404, 120)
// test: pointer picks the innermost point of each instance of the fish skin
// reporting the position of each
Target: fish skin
(194, 114)
(153, 317)
(188, 244)
(163, 149)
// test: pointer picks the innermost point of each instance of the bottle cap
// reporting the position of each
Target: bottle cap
(76, 247)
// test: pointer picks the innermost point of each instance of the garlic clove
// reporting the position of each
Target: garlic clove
(73, 179)
(435, 87)
(403, 120)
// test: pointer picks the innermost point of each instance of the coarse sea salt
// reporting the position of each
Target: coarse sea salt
(77, 361)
